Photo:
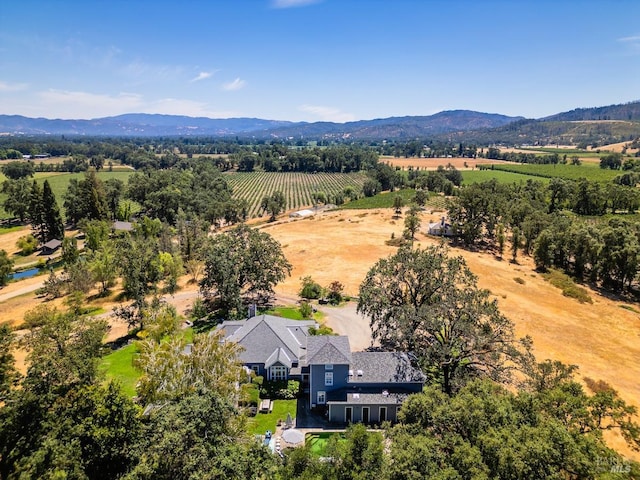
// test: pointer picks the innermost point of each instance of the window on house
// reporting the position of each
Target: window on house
(278, 372)
(322, 398)
(328, 366)
(328, 379)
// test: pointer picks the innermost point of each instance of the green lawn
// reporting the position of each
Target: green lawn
(317, 442)
(118, 366)
(262, 422)
(17, 228)
(291, 312)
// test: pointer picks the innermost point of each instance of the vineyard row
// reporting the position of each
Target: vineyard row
(298, 188)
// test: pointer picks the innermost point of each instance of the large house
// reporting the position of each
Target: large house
(366, 387)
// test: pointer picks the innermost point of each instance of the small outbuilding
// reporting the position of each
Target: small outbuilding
(441, 229)
(119, 226)
(302, 213)
(51, 246)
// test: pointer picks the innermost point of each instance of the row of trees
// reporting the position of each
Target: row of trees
(540, 221)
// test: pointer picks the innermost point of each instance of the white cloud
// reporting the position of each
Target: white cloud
(12, 87)
(138, 70)
(292, 3)
(327, 114)
(237, 84)
(633, 42)
(201, 76)
(632, 39)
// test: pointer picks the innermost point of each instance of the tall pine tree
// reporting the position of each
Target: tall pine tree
(52, 220)
(36, 212)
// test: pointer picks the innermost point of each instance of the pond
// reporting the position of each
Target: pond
(24, 274)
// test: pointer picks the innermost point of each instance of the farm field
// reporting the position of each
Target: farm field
(297, 188)
(590, 171)
(479, 176)
(460, 163)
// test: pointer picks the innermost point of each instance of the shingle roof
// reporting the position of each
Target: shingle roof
(324, 349)
(263, 335)
(368, 395)
(52, 244)
(279, 355)
(383, 367)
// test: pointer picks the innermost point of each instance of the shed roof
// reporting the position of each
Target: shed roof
(52, 244)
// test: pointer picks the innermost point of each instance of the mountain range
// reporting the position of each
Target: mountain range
(452, 124)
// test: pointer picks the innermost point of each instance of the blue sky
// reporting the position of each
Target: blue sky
(316, 60)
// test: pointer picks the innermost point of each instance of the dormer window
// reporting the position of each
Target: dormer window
(328, 366)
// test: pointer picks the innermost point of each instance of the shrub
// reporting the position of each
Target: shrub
(27, 244)
(323, 330)
(310, 289)
(305, 310)
(280, 389)
(335, 292)
(567, 285)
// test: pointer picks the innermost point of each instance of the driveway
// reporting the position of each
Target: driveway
(344, 320)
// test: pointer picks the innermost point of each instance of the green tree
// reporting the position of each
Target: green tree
(86, 199)
(36, 212)
(18, 193)
(17, 170)
(273, 204)
(103, 265)
(170, 372)
(200, 436)
(516, 240)
(241, 267)
(8, 373)
(27, 244)
(53, 226)
(412, 222)
(311, 290)
(398, 203)
(427, 303)
(6, 267)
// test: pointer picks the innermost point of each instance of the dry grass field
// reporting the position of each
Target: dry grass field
(602, 338)
(434, 163)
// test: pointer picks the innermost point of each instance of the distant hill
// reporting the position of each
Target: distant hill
(593, 126)
(623, 111)
(138, 124)
(399, 127)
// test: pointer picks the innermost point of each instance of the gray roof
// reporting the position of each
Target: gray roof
(123, 226)
(324, 349)
(265, 336)
(280, 356)
(366, 395)
(383, 367)
(52, 244)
